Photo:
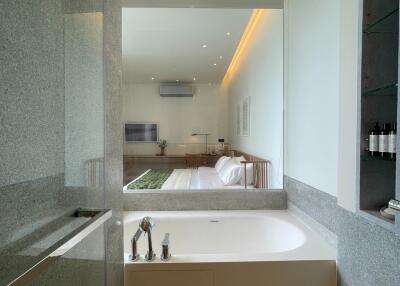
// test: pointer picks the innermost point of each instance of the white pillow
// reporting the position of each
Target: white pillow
(239, 159)
(230, 173)
(249, 171)
(221, 162)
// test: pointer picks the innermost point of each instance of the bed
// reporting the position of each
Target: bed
(204, 177)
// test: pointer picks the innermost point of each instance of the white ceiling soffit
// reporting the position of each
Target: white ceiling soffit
(180, 45)
(243, 4)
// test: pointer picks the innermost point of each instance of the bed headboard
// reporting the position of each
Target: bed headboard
(261, 169)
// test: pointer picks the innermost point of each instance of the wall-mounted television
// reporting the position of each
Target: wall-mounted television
(141, 132)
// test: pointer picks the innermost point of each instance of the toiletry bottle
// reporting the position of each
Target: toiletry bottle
(383, 140)
(392, 141)
(373, 140)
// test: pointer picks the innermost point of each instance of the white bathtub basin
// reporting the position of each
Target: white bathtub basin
(229, 236)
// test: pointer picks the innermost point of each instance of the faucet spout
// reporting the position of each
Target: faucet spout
(147, 225)
(135, 255)
(150, 256)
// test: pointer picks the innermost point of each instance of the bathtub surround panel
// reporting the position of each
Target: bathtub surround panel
(281, 250)
(204, 200)
(274, 273)
(319, 205)
(368, 254)
(329, 236)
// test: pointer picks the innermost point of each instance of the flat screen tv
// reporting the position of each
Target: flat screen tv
(141, 132)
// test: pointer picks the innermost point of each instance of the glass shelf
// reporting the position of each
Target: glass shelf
(388, 24)
(386, 90)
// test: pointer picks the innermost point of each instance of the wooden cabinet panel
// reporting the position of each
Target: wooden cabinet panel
(170, 278)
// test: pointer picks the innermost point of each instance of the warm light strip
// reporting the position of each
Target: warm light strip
(254, 21)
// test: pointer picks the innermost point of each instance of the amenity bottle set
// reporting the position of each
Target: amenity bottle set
(382, 141)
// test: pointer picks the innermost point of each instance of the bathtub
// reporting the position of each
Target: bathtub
(221, 248)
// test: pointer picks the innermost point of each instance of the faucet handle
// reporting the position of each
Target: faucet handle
(165, 252)
(165, 240)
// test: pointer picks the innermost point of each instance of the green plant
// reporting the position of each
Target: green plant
(162, 143)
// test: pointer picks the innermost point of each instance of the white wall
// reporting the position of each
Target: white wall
(312, 92)
(322, 62)
(350, 54)
(260, 76)
(178, 118)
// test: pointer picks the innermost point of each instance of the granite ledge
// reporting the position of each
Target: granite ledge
(205, 200)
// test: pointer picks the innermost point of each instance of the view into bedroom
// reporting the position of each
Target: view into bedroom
(202, 99)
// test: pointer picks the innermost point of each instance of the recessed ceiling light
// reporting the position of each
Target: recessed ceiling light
(220, 57)
(152, 78)
(177, 80)
(228, 33)
(215, 64)
(204, 46)
(194, 78)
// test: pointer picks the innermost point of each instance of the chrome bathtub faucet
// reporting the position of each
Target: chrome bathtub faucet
(146, 225)
(135, 255)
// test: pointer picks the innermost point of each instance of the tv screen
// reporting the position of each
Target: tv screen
(141, 132)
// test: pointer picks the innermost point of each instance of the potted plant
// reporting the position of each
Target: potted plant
(162, 144)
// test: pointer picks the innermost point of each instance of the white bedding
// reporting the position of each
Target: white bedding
(194, 179)
(180, 179)
(207, 178)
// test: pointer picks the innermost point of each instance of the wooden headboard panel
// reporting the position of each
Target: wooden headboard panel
(261, 169)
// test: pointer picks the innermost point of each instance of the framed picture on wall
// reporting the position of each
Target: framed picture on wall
(245, 126)
(238, 119)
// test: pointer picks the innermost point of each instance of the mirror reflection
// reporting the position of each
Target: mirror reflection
(202, 99)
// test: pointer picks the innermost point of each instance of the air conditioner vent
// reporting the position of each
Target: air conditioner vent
(176, 90)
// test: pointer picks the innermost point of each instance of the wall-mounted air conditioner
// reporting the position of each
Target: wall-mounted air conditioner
(176, 90)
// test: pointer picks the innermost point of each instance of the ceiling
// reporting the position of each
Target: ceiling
(180, 44)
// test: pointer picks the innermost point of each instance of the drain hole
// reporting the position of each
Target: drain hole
(214, 220)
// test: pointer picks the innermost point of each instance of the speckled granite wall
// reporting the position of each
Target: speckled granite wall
(205, 200)
(368, 255)
(33, 198)
(32, 90)
(113, 143)
(31, 124)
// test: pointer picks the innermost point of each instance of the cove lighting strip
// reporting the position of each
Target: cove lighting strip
(251, 28)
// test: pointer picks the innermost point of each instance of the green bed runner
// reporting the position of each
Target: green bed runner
(153, 179)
